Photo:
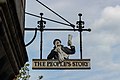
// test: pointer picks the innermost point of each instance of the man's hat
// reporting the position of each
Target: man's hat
(56, 40)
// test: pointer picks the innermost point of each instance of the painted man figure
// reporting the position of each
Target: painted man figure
(60, 52)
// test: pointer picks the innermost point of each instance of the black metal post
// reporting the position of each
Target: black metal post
(41, 41)
(80, 26)
(80, 44)
(41, 26)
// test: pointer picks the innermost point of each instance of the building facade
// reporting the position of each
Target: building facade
(13, 53)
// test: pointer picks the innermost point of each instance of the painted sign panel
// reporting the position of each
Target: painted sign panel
(55, 64)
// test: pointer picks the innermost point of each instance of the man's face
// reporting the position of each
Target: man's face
(57, 43)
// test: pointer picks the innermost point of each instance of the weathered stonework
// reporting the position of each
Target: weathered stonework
(13, 54)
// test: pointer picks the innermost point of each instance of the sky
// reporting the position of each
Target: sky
(101, 45)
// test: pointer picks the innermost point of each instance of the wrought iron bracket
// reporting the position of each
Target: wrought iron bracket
(41, 28)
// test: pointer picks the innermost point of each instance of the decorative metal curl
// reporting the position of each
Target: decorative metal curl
(32, 38)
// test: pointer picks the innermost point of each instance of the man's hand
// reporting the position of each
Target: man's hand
(69, 43)
(57, 49)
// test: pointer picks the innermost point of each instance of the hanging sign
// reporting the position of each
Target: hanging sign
(55, 64)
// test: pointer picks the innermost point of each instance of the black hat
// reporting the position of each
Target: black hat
(56, 40)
